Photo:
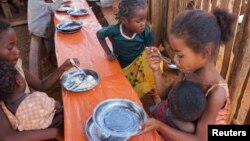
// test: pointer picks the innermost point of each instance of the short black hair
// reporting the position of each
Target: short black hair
(4, 26)
(187, 101)
(7, 80)
(127, 7)
(199, 28)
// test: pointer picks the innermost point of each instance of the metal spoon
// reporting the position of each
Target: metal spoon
(79, 69)
(169, 62)
(85, 76)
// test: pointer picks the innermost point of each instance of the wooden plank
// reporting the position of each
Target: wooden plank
(156, 20)
(6, 9)
(18, 23)
(243, 105)
(229, 45)
(241, 66)
(37, 53)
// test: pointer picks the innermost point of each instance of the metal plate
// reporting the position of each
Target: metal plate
(74, 81)
(95, 134)
(65, 8)
(78, 12)
(69, 26)
(119, 117)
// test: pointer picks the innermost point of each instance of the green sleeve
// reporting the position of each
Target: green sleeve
(149, 39)
(106, 31)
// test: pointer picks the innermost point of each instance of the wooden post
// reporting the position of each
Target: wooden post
(156, 19)
(241, 66)
(213, 5)
(241, 29)
(229, 45)
(198, 3)
(243, 105)
(206, 5)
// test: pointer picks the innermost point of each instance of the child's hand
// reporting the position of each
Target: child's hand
(153, 58)
(149, 125)
(67, 64)
(111, 56)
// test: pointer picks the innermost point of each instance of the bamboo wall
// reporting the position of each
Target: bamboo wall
(235, 66)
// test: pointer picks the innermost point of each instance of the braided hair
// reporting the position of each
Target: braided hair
(127, 7)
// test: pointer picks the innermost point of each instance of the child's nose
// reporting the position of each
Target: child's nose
(175, 59)
(16, 50)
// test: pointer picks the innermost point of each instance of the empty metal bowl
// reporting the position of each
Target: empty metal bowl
(119, 117)
(65, 8)
(78, 12)
(69, 26)
(93, 133)
(75, 81)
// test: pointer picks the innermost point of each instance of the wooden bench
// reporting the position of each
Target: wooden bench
(37, 53)
(109, 15)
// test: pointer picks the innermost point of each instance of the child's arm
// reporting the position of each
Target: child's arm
(46, 83)
(8, 134)
(174, 134)
(105, 47)
(154, 60)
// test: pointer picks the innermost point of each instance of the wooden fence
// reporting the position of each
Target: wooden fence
(235, 64)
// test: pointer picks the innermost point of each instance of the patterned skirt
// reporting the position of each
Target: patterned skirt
(140, 75)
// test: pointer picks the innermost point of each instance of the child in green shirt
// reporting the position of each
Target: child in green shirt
(129, 38)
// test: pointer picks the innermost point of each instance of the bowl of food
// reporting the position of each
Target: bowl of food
(110, 116)
(76, 81)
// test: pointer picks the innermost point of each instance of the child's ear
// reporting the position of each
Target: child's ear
(19, 80)
(208, 50)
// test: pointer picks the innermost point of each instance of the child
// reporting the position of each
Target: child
(9, 52)
(185, 104)
(26, 111)
(40, 21)
(195, 37)
(129, 38)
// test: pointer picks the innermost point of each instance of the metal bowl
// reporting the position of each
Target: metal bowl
(119, 117)
(69, 26)
(75, 82)
(93, 133)
(78, 12)
(65, 8)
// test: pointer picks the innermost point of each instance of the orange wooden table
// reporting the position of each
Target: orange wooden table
(78, 107)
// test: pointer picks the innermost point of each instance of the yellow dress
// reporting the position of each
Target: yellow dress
(140, 75)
